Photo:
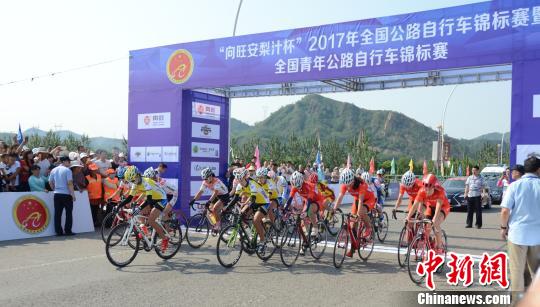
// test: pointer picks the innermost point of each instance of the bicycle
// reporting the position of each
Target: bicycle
(198, 226)
(236, 238)
(127, 237)
(114, 218)
(380, 225)
(358, 240)
(419, 248)
(294, 238)
(406, 236)
(332, 222)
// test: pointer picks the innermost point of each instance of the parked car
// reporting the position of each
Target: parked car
(494, 191)
(455, 187)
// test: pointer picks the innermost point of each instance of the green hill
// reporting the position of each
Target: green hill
(391, 133)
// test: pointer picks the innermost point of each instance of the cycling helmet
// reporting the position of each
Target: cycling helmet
(430, 180)
(131, 174)
(120, 171)
(313, 178)
(150, 173)
(297, 179)
(366, 177)
(408, 179)
(359, 171)
(241, 173)
(236, 171)
(346, 177)
(262, 172)
(380, 171)
(206, 173)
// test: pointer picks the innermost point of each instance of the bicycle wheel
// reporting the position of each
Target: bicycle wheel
(441, 269)
(334, 224)
(227, 219)
(366, 245)
(198, 230)
(290, 245)
(341, 246)
(229, 246)
(382, 228)
(270, 242)
(318, 243)
(403, 245)
(118, 247)
(106, 226)
(417, 252)
(175, 240)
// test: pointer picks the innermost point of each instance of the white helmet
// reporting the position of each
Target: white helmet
(380, 171)
(366, 177)
(297, 179)
(262, 172)
(240, 173)
(359, 171)
(408, 179)
(205, 173)
(346, 176)
(150, 173)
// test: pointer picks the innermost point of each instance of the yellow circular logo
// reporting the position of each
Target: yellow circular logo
(180, 66)
(31, 214)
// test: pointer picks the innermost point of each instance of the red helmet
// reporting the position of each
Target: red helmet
(313, 178)
(430, 181)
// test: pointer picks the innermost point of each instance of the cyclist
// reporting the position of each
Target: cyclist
(411, 185)
(366, 177)
(155, 198)
(433, 196)
(241, 191)
(172, 194)
(380, 185)
(307, 191)
(219, 197)
(271, 187)
(123, 186)
(259, 202)
(324, 190)
(364, 199)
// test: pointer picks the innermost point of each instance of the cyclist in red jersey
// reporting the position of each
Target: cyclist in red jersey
(363, 198)
(327, 194)
(308, 192)
(411, 185)
(433, 196)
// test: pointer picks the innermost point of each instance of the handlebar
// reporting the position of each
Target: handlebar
(197, 203)
(394, 216)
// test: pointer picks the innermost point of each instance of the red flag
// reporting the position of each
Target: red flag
(425, 169)
(257, 160)
(348, 161)
(468, 171)
(372, 166)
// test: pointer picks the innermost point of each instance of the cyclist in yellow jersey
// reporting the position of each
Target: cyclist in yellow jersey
(260, 200)
(273, 191)
(155, 197)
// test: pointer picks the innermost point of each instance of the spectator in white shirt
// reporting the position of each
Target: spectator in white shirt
(103, 164)
(13, 168)
(473, 194)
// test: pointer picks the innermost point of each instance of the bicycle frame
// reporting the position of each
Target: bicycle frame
(355, 238)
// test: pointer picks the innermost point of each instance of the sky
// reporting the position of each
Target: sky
(39, 38)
